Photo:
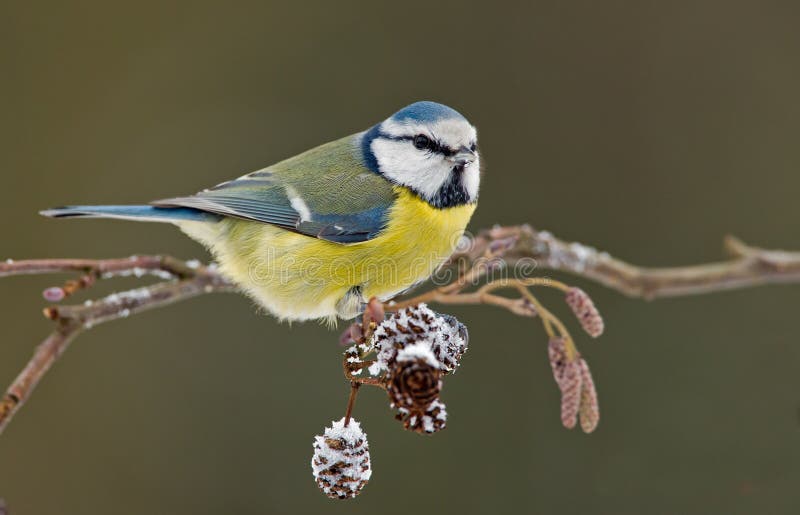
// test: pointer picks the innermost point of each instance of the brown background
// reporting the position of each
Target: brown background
(650, 129)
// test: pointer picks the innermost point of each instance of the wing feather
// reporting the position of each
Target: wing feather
(325, 193)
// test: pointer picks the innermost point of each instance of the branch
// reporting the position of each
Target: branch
(191, 279)
(513, 245)
(748, 266)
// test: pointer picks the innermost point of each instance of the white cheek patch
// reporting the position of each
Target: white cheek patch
(471, 178)
(424, 172)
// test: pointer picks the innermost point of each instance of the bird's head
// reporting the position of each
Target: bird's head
(430, 149)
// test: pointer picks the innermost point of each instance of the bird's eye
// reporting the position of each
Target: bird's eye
(421, 142)
(473, 147)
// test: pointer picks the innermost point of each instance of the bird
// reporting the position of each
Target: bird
(317, 235)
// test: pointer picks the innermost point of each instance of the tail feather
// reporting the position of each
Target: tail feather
(137, 213)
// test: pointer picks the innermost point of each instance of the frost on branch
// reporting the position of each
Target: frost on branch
(341, 462)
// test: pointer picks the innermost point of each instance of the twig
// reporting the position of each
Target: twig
(72, 320)
(351, 401)
(161, 266)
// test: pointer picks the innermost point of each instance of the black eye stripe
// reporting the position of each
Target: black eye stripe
(434, 146)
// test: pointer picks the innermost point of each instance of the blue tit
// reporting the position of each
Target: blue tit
(319, 234)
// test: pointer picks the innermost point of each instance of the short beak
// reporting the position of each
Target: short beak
(464, 156)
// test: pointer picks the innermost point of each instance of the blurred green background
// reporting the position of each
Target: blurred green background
(649, 129)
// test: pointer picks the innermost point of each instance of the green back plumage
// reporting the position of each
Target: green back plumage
(326, 192)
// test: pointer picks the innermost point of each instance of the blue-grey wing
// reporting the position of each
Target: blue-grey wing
(325, 193)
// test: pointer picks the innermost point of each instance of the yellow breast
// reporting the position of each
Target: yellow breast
(298, 277)
(417, 240)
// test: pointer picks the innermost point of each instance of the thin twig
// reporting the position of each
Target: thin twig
(351, 402)
(162, 266)
(72, 320)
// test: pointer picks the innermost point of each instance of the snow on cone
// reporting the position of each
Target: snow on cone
(341, 463)
(443, 334)
(431, 420)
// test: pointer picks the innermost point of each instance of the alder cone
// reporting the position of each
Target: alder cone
(341, 462)
(444, 335)
(414, 384)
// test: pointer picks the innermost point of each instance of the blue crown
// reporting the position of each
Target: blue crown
(426, 111)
